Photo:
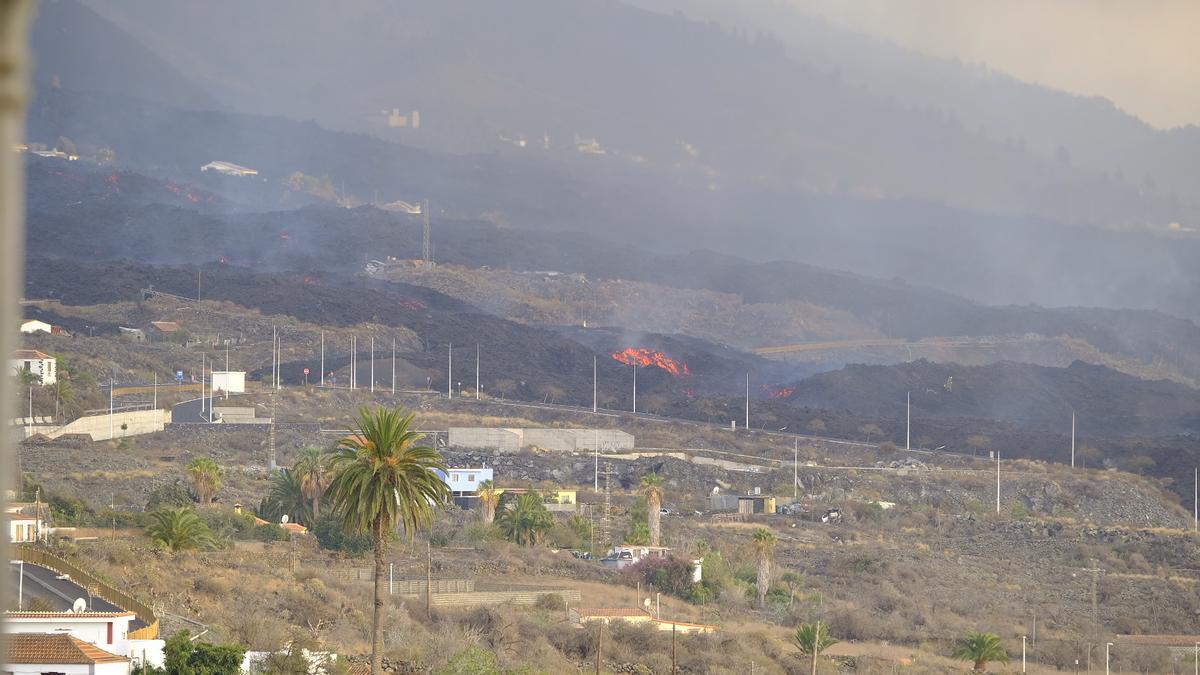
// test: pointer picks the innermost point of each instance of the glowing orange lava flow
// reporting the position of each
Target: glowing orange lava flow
(643, 358)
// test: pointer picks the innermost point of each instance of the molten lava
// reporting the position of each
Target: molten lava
(778, 392)
(643, 358)
(413, 305)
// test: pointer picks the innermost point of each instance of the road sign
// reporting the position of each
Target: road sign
(306, 371)
(179, 376)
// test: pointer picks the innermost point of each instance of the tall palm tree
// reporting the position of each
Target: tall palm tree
(310, 472)
(384, 480)
(764, 545)
(488, 499)
(527, 520)
(64, 394)
(652, 489)
(812, 639)
(979, 649)
(179, 530)
(205, 477)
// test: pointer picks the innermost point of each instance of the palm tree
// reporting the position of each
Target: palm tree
(179, 530)
(310, 472)
(384, 480)
(64, 394)
(287, 497)
(527, 520)
(980, 648)
(205, 477)
(652, 489)
(764, 545)
(812, 639)
(488, 499)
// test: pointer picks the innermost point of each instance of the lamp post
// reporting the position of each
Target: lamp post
(1106, 646)
(20, 584)
(1022, 653)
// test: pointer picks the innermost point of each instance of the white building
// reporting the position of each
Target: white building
(32, 361)
(229, 169)
(230, 381)
(59, 653)
(23, 529)
(108, 631)
(35, 326)
(466, 481)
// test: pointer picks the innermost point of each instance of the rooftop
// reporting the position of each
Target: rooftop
(55, 648)
(30, 354)
(165, 326)
(66, 615)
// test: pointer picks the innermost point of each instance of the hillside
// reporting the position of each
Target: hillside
(1035, 397)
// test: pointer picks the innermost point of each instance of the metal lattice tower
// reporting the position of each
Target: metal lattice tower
(605, 524)
(426, 254)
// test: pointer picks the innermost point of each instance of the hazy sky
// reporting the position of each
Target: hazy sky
(1142, 54)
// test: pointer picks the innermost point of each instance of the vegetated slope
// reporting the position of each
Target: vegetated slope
(110, 224)
(1109, 403)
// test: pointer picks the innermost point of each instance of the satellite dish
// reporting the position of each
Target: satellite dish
(79, 606)
(646, 602)
(283, 519)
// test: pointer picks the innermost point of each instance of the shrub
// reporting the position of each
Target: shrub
(670, 575)
(269, 532)
(552, 602)
(330, 535)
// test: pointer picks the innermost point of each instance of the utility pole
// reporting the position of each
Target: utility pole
(426, 255)
(1022, 653)
(353, 361)
(156, 391)
(635, 388)
(393, 366)
(372, 363)
(274, 344)
(599, 645)
(1072, 438)
(1195, 499)
(428, 578)
(596, 468)
(197, 287)
(476, 371)
(593, 383)
(322, 358)
(450, 370)
(997, 481)
(110, 405)
(795, 468)
(271, 437)
(907, 420)
(747, 402)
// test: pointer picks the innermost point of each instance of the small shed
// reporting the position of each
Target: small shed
(755, 504)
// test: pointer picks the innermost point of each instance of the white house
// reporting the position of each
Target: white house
(466, 481)
(229, 169)
(108, 631)
(232, 381)
(35, 326)
(43, 653)
(23, 529)
(32, 361)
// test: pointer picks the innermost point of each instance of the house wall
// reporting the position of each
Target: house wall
(94, 631)
(45, 369)
(97, 426)
(460, 480)
(35, 327)
(22, 531)
(66, 669)
(233, 381)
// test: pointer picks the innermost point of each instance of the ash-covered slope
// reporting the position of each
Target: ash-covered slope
(1105, 401)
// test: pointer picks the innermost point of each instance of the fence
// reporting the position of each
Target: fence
(144, 614)
(525, 597)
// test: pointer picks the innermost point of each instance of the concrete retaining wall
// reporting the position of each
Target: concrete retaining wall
(136, 422)
(556, 440)
(485, 438)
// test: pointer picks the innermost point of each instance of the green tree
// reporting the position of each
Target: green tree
(205, 477)
(330, 535)
(980, 649)
(527, 520)
(286, 496)
(488, 499)
(812, 639)
(383, 479)
(638, 535)
(185, 656)
(312, 476)
(652, 490)
(179, 530)
(764, 542)
(64, 394)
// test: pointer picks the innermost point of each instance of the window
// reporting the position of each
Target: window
(470, 478)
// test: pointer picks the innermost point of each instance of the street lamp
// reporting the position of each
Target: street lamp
(1106, 646)
(20, 583)
(1197, 658)
(1022, 653)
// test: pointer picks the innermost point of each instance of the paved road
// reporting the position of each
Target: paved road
(55, 594)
